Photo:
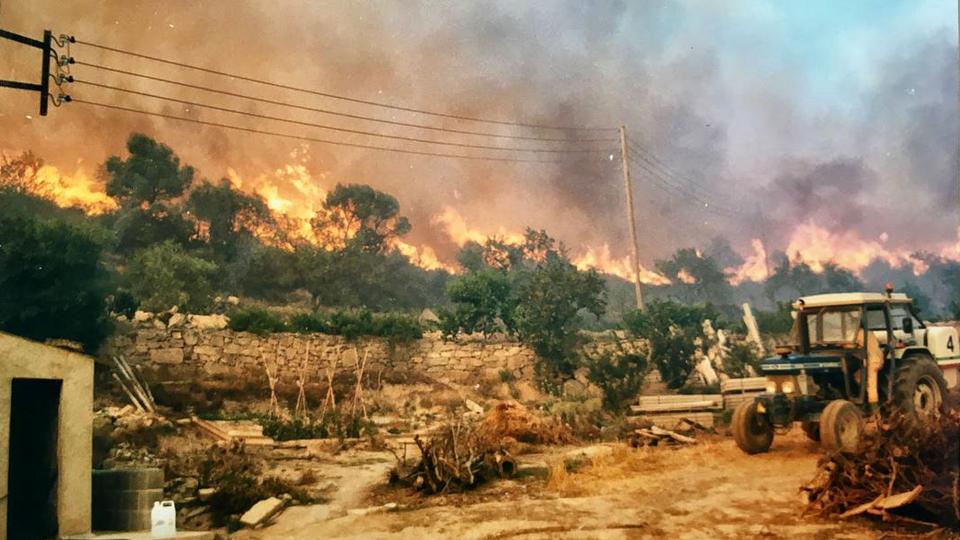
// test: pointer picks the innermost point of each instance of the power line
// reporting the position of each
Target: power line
(652, 159)
(687, 189)
(311, 139)
(339, 113)
(341, 97)
(663, 184)
(339, 129)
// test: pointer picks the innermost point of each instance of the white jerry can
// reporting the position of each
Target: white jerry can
(163, 519)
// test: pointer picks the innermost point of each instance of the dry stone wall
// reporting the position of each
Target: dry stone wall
(184, 353)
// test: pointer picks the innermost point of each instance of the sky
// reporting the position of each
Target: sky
(824, 127)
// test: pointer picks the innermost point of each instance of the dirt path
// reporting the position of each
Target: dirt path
(708, 491)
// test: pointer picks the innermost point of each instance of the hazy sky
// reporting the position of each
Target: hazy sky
(839, 114)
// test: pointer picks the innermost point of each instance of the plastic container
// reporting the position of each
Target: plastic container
(163, 520)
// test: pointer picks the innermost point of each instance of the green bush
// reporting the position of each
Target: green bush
(620, 376)
(779, 321)
(53, 283)
(307, 322)
(332, 424)
(123, 302)
(237, 479)
(672, 330)
(397, 327)
(164, 275)
(256, 320)
(743, 355)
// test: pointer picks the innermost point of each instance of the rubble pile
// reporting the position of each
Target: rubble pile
(898, 475)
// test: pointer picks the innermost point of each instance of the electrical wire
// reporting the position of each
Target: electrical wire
(652, 159)
(336, 128)
(311, 139)
(343, 114)
(672, 188)
(686, 189)
(341, 97)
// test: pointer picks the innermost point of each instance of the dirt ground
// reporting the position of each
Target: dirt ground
(711, 490)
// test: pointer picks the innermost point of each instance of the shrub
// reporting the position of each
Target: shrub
(332, 424)
(124, 303)
(255, 320)
(352, 324)
(779, 321)
(307, 322)
(743, 356)
(620, 376)
(672, 330)
(163, 276)
(397, 327)
(52, 280)
(237, 479)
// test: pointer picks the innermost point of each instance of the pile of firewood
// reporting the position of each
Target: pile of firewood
(454, 458)
(897, 475)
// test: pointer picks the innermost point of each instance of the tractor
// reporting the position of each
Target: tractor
(852, 355)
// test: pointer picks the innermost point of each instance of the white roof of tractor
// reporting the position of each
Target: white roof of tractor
(849, 299)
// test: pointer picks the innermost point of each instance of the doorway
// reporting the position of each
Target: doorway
(32, 474)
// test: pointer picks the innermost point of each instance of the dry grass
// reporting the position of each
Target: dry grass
(606, 469)
(511, 420)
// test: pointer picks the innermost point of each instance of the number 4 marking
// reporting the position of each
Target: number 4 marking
(950, 344)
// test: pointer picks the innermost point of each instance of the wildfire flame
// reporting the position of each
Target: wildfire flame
(754, 267)
(78, 190)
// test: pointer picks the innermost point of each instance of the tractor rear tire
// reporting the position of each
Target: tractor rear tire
(751, 429)
(811, 429)
(918, 390)
(841, 426)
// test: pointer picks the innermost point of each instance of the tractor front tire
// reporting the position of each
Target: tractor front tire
(751, 429)
(811, 429)
(841, 426)
(918, 390)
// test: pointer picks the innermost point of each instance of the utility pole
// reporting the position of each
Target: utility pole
(45, 46)
(628, 187)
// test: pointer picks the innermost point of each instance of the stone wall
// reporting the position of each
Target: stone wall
(189, 353)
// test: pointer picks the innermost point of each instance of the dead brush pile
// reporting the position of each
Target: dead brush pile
(510, 421)
(466, 452)
(911, 478)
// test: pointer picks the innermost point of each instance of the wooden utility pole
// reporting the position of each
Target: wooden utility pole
(628, 187)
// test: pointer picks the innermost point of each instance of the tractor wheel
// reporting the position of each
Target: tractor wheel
(841, 426)
(918, 390)
(812, 430)
(751, 429)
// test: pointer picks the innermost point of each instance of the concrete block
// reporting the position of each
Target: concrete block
(128, 499)
(261, 511)
(127, 479)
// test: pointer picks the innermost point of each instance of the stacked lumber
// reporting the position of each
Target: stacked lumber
(669, 411)
(737, 391)
(899, 474)
(134, 385)
(244, 431)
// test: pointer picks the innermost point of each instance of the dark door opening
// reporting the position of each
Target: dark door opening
(32, 476)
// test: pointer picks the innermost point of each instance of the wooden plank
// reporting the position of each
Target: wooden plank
(748, 384)
(731, 401)
(674, 420)
(689, 406)
(667, 403)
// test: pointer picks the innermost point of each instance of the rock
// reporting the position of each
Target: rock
(204, 494)
(176, 320)
(207, 322)
(167, 356)
(142, 316)
(262, 511)
(474, 406)
(233, 300)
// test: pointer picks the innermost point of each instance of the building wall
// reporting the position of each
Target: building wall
(21, 358)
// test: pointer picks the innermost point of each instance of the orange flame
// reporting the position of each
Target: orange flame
(754, 267)
(78, 190)
(817, 246)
